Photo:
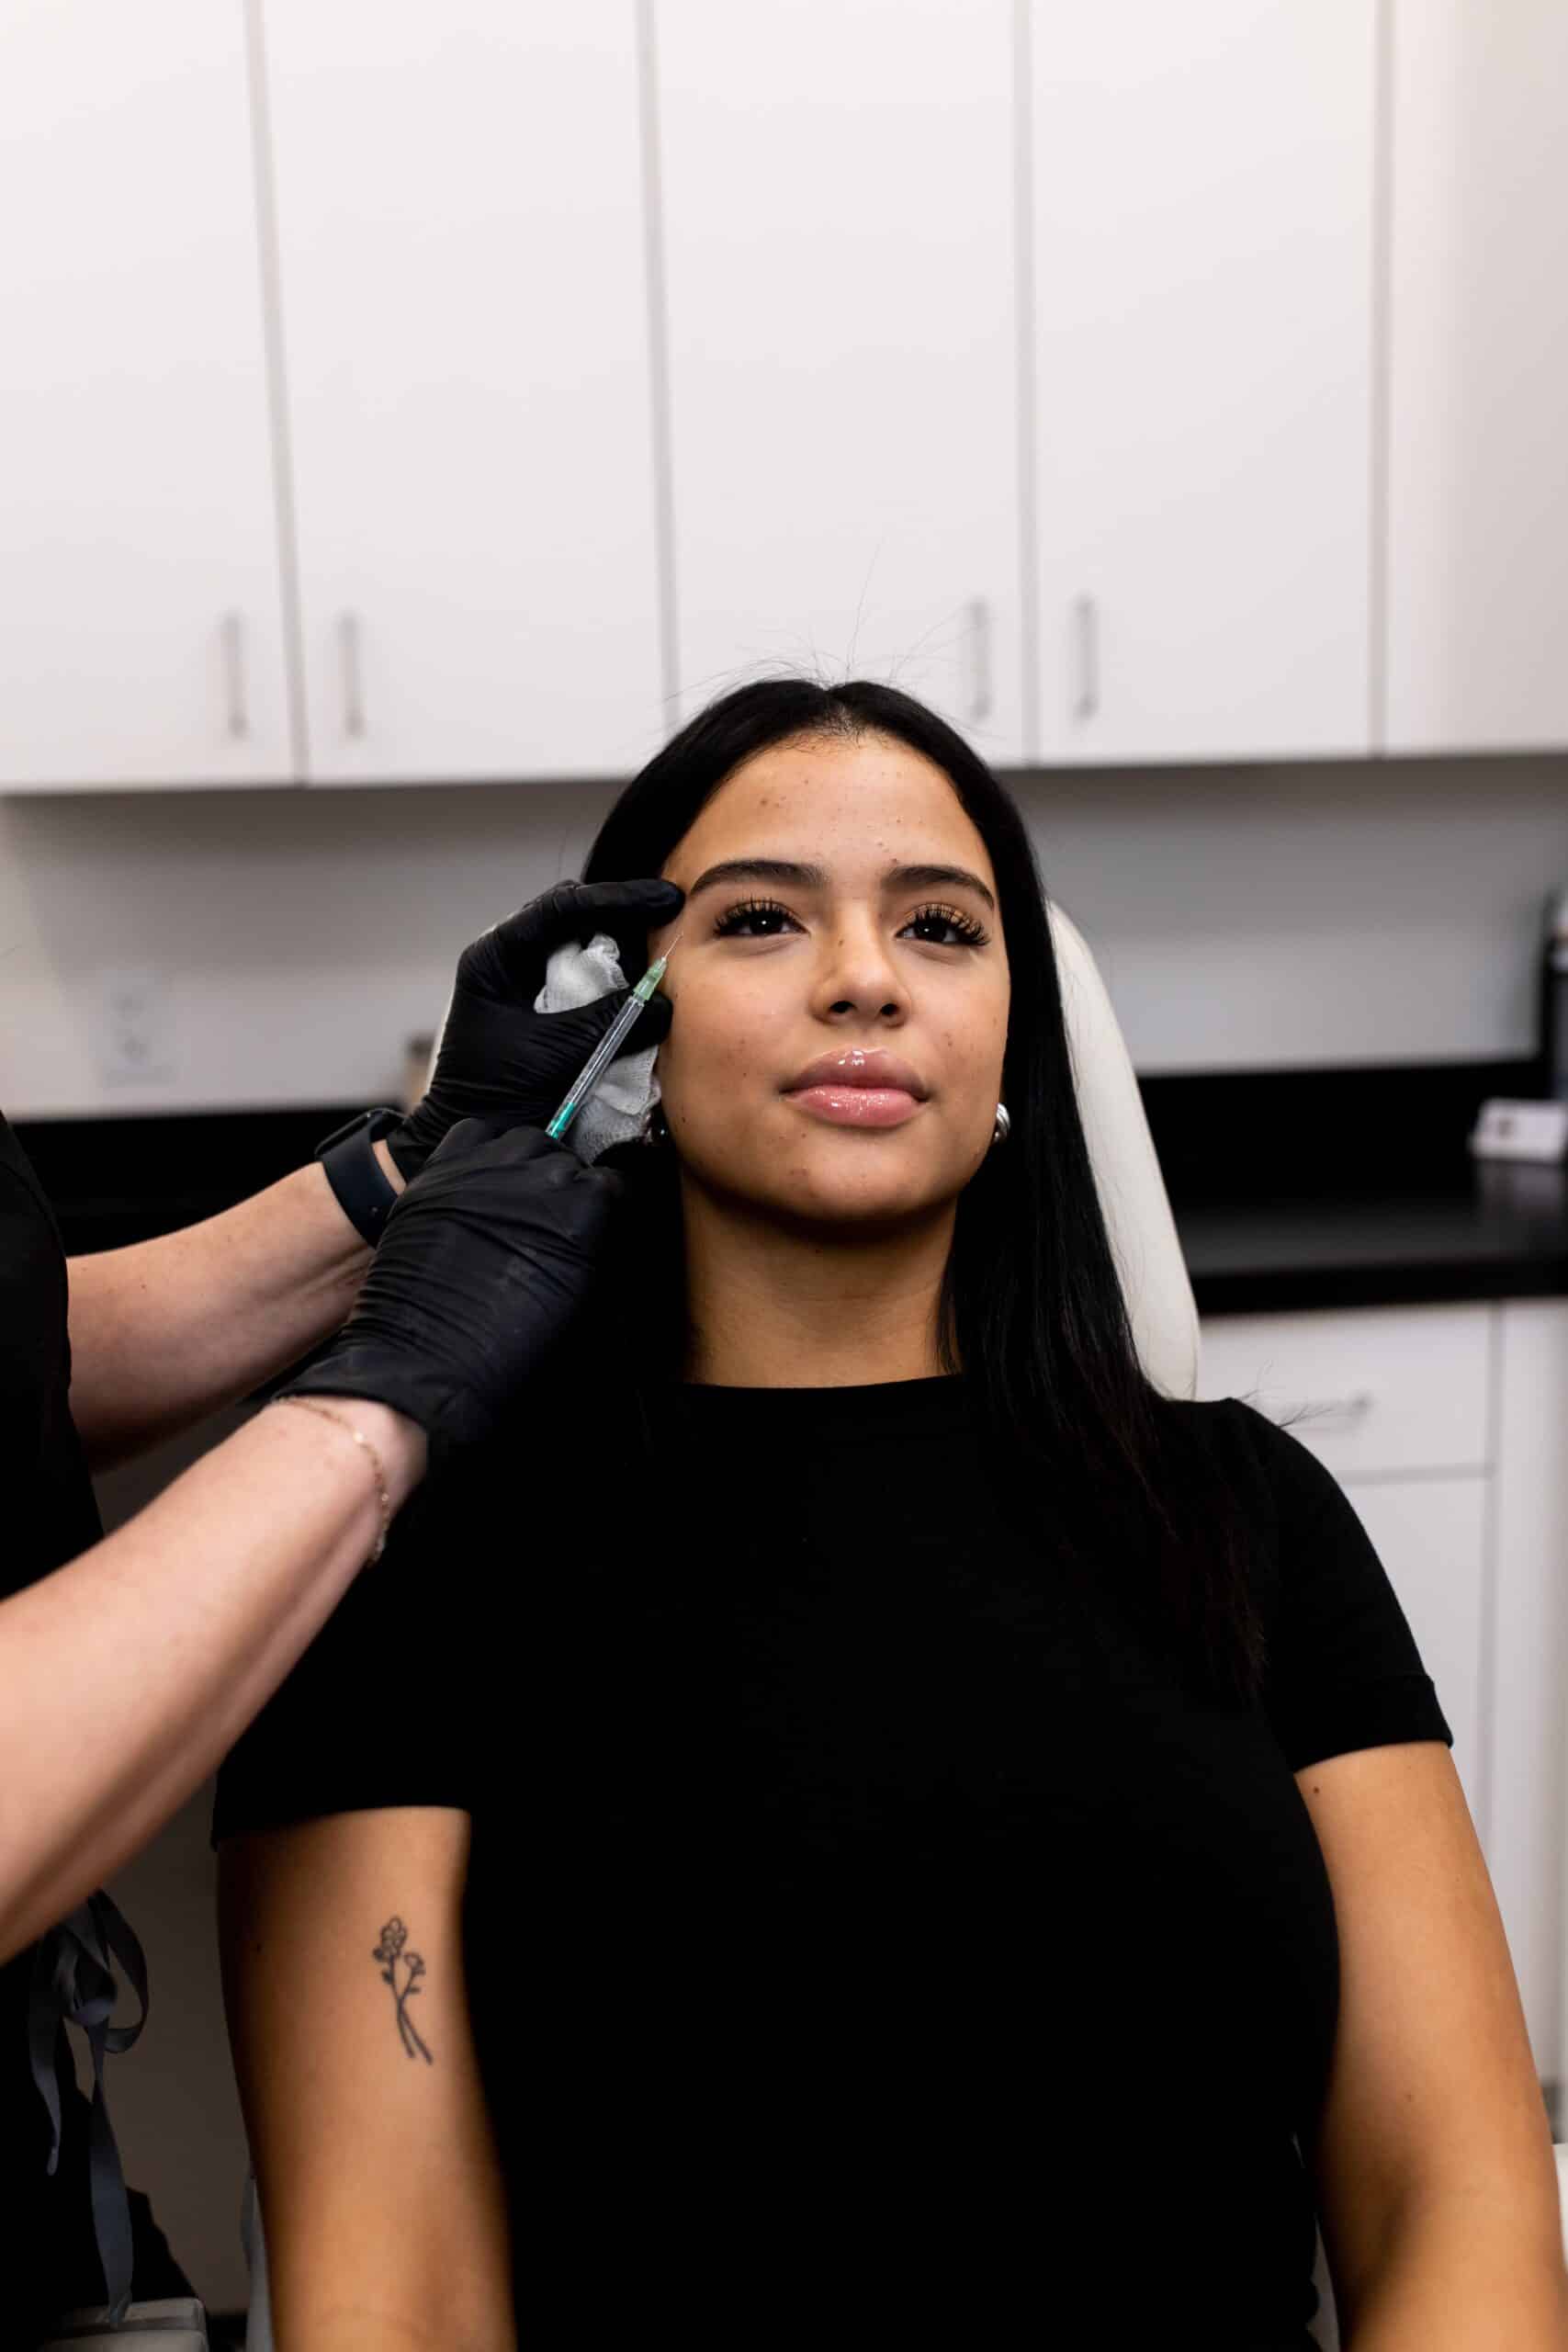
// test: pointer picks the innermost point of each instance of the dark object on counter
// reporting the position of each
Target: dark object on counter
(1554, 997)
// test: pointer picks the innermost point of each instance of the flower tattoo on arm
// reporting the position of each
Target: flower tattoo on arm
(389, 1951)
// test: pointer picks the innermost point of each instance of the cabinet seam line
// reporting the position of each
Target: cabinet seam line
(1381, 361)
(660, 428)
(1026, 390)
(283, 495)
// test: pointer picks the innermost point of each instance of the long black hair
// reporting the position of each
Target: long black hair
(1032, 1308)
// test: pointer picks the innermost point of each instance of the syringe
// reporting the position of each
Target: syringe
(609, 1045)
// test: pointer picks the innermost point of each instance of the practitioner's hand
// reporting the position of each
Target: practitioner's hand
(482, 1263)
(499, 1059)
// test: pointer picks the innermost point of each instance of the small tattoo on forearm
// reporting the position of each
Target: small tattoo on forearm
(389, 1951)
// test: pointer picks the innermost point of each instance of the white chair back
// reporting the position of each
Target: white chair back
(1126, 1173)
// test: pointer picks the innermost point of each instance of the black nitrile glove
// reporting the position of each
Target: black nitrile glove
(497, 1057)
(482, 1263)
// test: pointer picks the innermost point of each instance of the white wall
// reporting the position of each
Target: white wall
(1244, 918)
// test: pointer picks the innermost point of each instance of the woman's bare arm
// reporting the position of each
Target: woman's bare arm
(382, 2197)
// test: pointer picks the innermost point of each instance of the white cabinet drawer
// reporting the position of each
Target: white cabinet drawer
(1387, 1388)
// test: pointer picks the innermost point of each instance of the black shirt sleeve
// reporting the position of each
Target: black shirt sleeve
(50, 1512)
(379, 1710)
(1344, 1671)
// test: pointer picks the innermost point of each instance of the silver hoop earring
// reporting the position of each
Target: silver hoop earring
(1003, 1127)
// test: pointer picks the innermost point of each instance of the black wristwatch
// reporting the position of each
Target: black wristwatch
(364, 1192)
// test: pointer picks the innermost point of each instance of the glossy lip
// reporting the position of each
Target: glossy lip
(860, 1066)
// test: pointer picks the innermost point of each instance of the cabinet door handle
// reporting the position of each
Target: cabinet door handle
(979, 659)
(234, 634)
(1087, 638)
(353, 676)
(1352, 1409)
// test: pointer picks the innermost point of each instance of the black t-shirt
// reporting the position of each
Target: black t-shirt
(50, 1512)
(865, 1932)
(49, 1517)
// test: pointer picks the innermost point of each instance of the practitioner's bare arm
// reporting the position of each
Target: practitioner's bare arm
(164, 1331)
(126, 1675)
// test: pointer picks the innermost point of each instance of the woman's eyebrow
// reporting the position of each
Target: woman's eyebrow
(795, 874)
(937, 878)
(760, 869)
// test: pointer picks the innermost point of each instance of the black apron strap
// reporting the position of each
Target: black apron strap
(73, 1983)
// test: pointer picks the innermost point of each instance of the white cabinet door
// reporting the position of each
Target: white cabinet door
(141, 630)
(1203, 183)
(1478, 377)
(465, 323)
(839, 222)
(1372, 1391)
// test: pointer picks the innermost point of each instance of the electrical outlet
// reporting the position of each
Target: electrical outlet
(134, 1038)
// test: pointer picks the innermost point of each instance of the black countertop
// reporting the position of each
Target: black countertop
(1354, 1188)
(1504, 1236)
(1290, 1188)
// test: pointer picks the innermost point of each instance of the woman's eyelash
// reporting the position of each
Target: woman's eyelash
(972, 933)
(750, 911)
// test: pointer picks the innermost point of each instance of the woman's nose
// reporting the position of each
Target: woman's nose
(858, 975)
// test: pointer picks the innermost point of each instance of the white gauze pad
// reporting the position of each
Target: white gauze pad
(615, 1113)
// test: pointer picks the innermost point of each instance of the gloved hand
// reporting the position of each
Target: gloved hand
(497, 1058)
(482, 1263)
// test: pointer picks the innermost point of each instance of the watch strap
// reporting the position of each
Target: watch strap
(364, 1191)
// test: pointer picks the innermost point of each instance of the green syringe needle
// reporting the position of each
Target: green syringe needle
(609, 1045)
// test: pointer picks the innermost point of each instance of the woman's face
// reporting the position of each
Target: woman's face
(840, 925)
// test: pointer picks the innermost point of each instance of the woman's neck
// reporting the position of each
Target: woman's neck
(770, 1307)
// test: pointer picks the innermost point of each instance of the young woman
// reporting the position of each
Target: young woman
(923, 1832)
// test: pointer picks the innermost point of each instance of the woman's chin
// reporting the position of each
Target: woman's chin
(864, 1197)
(832, 1177)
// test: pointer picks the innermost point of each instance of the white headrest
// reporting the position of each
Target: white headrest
(1132, 1190)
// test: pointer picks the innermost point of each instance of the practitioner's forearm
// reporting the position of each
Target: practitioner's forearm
(128, 1674)
(164, 1331)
